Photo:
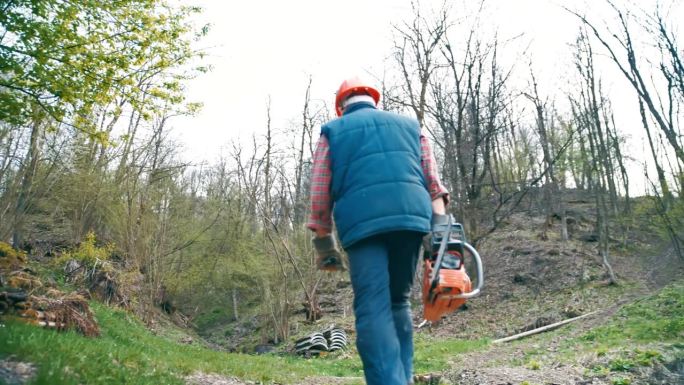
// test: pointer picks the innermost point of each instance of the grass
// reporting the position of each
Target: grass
(433, 355)
(641, 334)
(657, 318)
(128, 353)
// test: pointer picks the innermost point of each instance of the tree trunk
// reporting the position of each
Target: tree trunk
(235, 304)
(564, 217)
(30, 167)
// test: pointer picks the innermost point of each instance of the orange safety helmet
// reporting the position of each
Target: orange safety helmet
(352, 86)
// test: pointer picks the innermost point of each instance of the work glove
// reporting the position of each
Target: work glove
(328, 256)
(437, 220)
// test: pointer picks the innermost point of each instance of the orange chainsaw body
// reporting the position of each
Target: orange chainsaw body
(441, 299)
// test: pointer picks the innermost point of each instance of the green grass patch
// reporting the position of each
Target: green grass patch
(434, 354)
(533, 365)
(621, 365)
(128, 353)
(641, 334)
(210, 318)
(658, 318)
(621, 381)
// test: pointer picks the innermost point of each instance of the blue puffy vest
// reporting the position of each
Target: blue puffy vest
(378, 184)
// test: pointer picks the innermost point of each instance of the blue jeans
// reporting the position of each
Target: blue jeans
(382, 269)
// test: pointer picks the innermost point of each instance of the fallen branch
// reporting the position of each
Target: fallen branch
(542, 329)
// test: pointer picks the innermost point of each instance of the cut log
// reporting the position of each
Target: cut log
(15, 296)
(542, 329)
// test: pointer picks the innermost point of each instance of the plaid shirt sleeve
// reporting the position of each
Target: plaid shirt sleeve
(321, 177)
(435, 186)
(321, 204)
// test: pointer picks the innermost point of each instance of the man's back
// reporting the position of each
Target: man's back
(378, 184)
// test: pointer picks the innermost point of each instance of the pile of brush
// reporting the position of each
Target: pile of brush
(24, 298)
(57, 310)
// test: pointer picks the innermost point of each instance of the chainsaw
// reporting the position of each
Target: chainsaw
(446, 285)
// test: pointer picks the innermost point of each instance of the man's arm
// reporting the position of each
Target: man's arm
(320, 219)
(438, 206)
(438, 193)
(328, 256)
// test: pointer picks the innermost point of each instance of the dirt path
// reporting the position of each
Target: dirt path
(199, 378)
(562, 375)
(14, 372)
(508, 363)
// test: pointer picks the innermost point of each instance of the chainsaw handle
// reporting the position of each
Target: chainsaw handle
(446, 235)
(480, 273)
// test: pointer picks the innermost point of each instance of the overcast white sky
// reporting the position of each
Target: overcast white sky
(263, 48)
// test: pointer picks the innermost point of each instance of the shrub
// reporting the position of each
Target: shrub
(10, 258)
(534, 365)
(87, 253)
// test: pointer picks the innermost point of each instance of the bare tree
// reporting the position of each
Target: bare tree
(415, 48)
(632, 71)
(551, 188)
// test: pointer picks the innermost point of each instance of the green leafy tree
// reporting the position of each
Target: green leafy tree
(84, 65)
(72, 58)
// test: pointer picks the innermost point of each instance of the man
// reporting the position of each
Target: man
(377, 174)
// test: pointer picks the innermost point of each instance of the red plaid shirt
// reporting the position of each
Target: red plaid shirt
(321, 204)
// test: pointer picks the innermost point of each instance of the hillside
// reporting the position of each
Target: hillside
(636, 336)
